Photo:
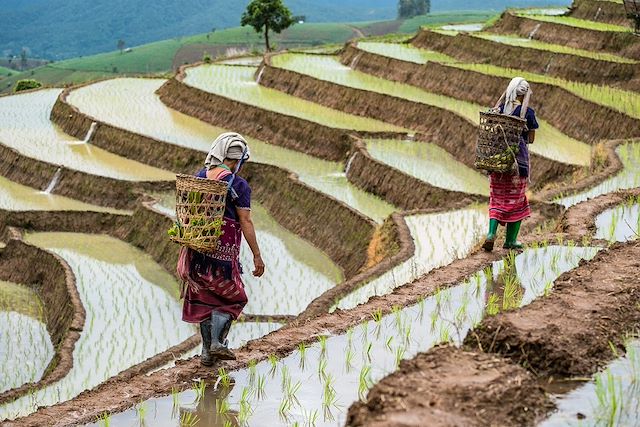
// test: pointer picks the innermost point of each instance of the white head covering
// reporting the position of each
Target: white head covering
(517, 87)
(229, 145)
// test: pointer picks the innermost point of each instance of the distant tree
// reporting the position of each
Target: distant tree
(411, 8)
(121, 45)
(26, 85)
(267, 15)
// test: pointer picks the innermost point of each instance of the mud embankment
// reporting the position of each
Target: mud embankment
(580, 119)
(54, 282)
(343, 233)
(453, 387)
(467, 48)
(624, 44)
(280, 129)
(569, 333)
(565, 335)
(399, 188)
(600, 11)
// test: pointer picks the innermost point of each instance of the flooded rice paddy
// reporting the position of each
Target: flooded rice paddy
(612, 398)
(132, 104)
(27, 129)
(17, 197)
(132, 313)
(238, 83)
(628, 177)
(550, 141)
(294, 267)
(317, 384)
(463, 27)
(25, 345)
(620, 224)
(430, 164)
(439, 240)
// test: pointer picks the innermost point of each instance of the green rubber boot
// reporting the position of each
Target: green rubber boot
(491, 236)
(511, 241)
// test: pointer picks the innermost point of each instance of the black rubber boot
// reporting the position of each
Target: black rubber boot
(220, 325)
(205, 331)
(491, 235)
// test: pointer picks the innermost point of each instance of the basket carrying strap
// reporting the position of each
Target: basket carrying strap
(224, 174)
(525, 103)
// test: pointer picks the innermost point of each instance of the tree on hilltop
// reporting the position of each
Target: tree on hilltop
(267, 15)
(411, 8)
(121, 45)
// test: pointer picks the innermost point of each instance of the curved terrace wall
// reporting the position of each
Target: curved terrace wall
(399, 188)
(54, 282)
(468, 48)
(622, 43)
(315, 216)
(580, 119)
(291, 132)
(444, 128)
(94, 189)
(600, 11)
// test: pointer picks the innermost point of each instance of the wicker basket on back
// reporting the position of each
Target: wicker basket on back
(498, 141)
(200, 205)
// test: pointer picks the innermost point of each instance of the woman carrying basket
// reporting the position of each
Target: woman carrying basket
(508, 202)
(214, 293)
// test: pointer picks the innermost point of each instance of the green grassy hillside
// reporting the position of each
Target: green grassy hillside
(167, 55)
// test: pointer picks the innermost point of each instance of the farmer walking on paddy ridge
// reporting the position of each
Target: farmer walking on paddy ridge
(508, 203)
(213, 290)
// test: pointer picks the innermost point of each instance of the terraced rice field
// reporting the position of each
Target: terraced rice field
(627, 102)
(146, 320)
(514, 40)
(550, 142)
(27, 129)
(17, 197)
(330, 336)
(133, 105)
(580, 23)
(239, 83)
(316, 383)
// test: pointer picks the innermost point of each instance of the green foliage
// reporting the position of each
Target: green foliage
(411, 8)
(26, 85)
(267, 15)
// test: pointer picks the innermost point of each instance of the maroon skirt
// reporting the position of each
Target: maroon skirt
(508, 199)
(213, 282)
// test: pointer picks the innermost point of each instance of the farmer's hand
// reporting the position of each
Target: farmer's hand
(258, 266)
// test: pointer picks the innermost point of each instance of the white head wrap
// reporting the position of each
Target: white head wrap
(517, 87)
(228, 145)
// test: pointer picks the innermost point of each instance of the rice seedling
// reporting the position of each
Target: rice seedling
(222, 406)
(253, 371)
(260, 386)
(273, 361)
(141, 409)
(348, 359)
(310, 418)
(322, 369)
(188, 419)
(199, 388)
(377, 315)
(365, 382)
(400, 351)
(323, 344)
(329, 398)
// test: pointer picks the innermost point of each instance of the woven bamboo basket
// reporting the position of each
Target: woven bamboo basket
(498, 141)
(200, 205)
